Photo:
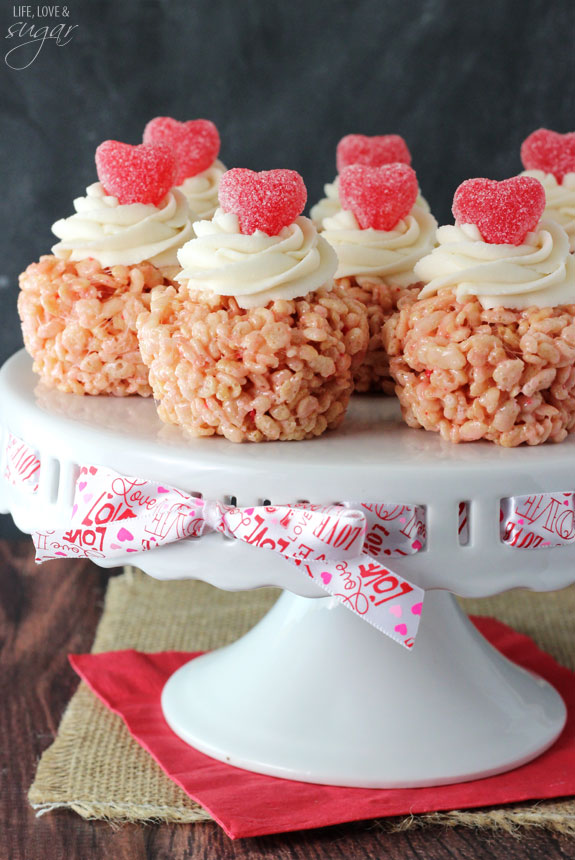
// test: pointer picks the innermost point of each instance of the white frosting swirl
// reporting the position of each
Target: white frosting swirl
(390, 254)
(257, 268)
(560, 200)
(201, 191)
(330, 205)
(124, 234)
(540, 272)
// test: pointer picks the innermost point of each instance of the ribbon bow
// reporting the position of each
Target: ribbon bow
(340, 547)
(115, 514)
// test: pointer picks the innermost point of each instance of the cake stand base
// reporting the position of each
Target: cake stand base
(314, 693)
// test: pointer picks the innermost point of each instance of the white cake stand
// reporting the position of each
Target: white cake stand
(313, 692)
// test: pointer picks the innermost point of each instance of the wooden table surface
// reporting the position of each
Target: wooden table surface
(47, 612)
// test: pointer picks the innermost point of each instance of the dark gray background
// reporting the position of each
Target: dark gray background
(463, 81)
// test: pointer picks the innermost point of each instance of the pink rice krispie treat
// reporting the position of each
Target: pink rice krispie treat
(381, 301)
(79, 324)
(255, 344)
(488, 349)
(379, 235)
(79, 306)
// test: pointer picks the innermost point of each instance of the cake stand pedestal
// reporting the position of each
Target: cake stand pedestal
(313, 692)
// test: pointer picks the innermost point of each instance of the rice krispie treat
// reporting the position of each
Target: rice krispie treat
(488, 349)
(196, 146)
(550, 158)
(369, 151)
(256, 343)
(79, 306)
(379, 235)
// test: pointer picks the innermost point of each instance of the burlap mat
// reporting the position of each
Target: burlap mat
(96, 768)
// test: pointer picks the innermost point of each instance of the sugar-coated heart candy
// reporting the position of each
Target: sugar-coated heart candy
(196, 143)
(372, 151)
(135, 174)
(267, 201)
(379, 197)
(549, 151)
(504, 212)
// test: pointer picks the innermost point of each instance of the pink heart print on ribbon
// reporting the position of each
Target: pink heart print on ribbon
(538, 521)
(344, 549)
(21, 464)
(117, 514)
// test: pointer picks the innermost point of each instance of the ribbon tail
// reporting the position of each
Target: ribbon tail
(115, 514)
(379, 596)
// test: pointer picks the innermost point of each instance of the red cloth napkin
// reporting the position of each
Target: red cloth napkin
(249, 804)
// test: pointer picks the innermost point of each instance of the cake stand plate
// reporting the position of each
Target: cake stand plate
(313, 692)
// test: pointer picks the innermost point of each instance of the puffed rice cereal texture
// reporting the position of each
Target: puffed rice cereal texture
(507, 376)
(381, 301)
(280, 372)
(79, 324)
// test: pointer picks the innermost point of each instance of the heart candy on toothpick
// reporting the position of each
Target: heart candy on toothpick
(379, 197)
(373, 151)
(549, 151)
(503, 212)
(195, 143)
(266, 201)
(136, 174)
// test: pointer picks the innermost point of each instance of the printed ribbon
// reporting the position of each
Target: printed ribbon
(115, 514)
(538, 521)
(342, 548)
(21, 464)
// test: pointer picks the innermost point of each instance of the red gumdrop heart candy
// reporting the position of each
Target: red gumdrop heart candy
(503, 212)
(379, 197)
(135, 174)
(549, 151)
(372, 151)
(267, 201)
(196, 143)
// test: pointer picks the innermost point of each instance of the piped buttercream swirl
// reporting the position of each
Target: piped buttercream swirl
(257, 268)
(328, 206)
(540, 272)
(201, 191)
(390, 254)
(124, 234)
(559, 200)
